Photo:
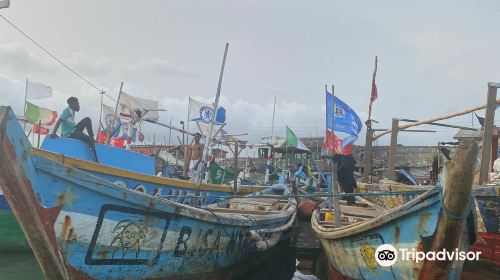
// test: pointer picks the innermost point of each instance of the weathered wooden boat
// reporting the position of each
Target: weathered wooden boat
(441, 218)
(488, 240)
(130, 169)
(81, 226)
(11, 235)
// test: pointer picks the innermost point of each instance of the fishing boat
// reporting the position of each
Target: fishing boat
(488, 213)
(434, 221)
(129, 169)
(81, 226)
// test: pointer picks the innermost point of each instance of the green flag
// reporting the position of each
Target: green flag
(219, 175)
(34, 114)
(293, 142)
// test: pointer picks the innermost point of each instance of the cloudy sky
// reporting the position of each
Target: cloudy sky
(435, 57)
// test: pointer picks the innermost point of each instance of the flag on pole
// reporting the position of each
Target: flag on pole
(34, 114)
(219, 175)
(374, 93)
(202, 112)
(134, 106)
(40, 129)
(37, 90)
(293, 142)
(347, 124)
(481, 120)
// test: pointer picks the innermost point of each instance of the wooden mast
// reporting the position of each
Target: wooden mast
(214, 113)
(488, 132)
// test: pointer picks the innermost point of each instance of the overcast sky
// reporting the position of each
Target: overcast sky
(435, 57)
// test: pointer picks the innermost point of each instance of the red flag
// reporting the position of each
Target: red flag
(374, 94)
(40, 129)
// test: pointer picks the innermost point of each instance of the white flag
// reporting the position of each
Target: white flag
(202, 112)
(129, 104)
(37, 90)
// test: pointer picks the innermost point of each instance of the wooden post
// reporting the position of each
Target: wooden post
(368, 155)
(210, 131)
(236, 169)
(110, 132)
(39, 131)
(391, 174)
(488, 132)
(336, 198)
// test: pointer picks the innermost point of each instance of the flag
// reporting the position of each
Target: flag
(107, 116)
(202, 112)
(219, 175)
(40, 129)
(293, 142)
(35, 114)
(135, 106)
(480, 120)
(347, 124)
(37, 90)
(374, 94)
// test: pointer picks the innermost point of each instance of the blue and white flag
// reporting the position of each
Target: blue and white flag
(347, 122)
(202, 112)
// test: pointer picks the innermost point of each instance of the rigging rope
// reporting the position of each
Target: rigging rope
(57, 59)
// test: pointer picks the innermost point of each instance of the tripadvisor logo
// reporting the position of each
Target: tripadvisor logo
(386, 255)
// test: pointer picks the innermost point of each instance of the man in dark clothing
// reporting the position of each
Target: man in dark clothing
(71, 130)
(345, 175)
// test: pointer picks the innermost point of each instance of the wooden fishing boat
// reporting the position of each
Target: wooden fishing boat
(81, 226)
(488, 240)
(427, 223)
(129, 169)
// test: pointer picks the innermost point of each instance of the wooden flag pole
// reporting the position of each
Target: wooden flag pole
(25, 107)
(335, 190)
(201, 166)
(108, 136)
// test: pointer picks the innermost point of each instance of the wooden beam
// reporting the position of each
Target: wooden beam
(435, 119)
(488, 132)
(391, 175)
(368, 155)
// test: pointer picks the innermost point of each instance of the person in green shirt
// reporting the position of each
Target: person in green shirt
(71, 130)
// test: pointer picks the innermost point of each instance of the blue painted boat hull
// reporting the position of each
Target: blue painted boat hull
(351, 252)
(84, 227)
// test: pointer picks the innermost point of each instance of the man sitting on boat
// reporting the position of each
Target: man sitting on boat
(196, 153)
(71, 130)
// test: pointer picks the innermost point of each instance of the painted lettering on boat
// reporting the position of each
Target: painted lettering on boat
(139, 227)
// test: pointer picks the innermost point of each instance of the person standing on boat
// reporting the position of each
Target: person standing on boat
(345, 175)
(71, 130)
(195, 159)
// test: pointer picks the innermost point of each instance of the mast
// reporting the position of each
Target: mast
(110, 132)
(214, 113)
(336, 199)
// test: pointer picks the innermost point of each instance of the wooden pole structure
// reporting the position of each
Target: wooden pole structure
(391, 175)
(236, 169)
(488, 132)
(336, 198)
(209, 138)
(110, 132)
(39, 132)
(435, 119)
(368, 155)
(25, 107)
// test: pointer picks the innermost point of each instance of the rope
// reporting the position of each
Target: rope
(452, 214)
(56, 59)
(254, 222)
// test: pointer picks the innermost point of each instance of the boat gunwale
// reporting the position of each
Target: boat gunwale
(392, 214)
(145, 200)
(114, 171)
